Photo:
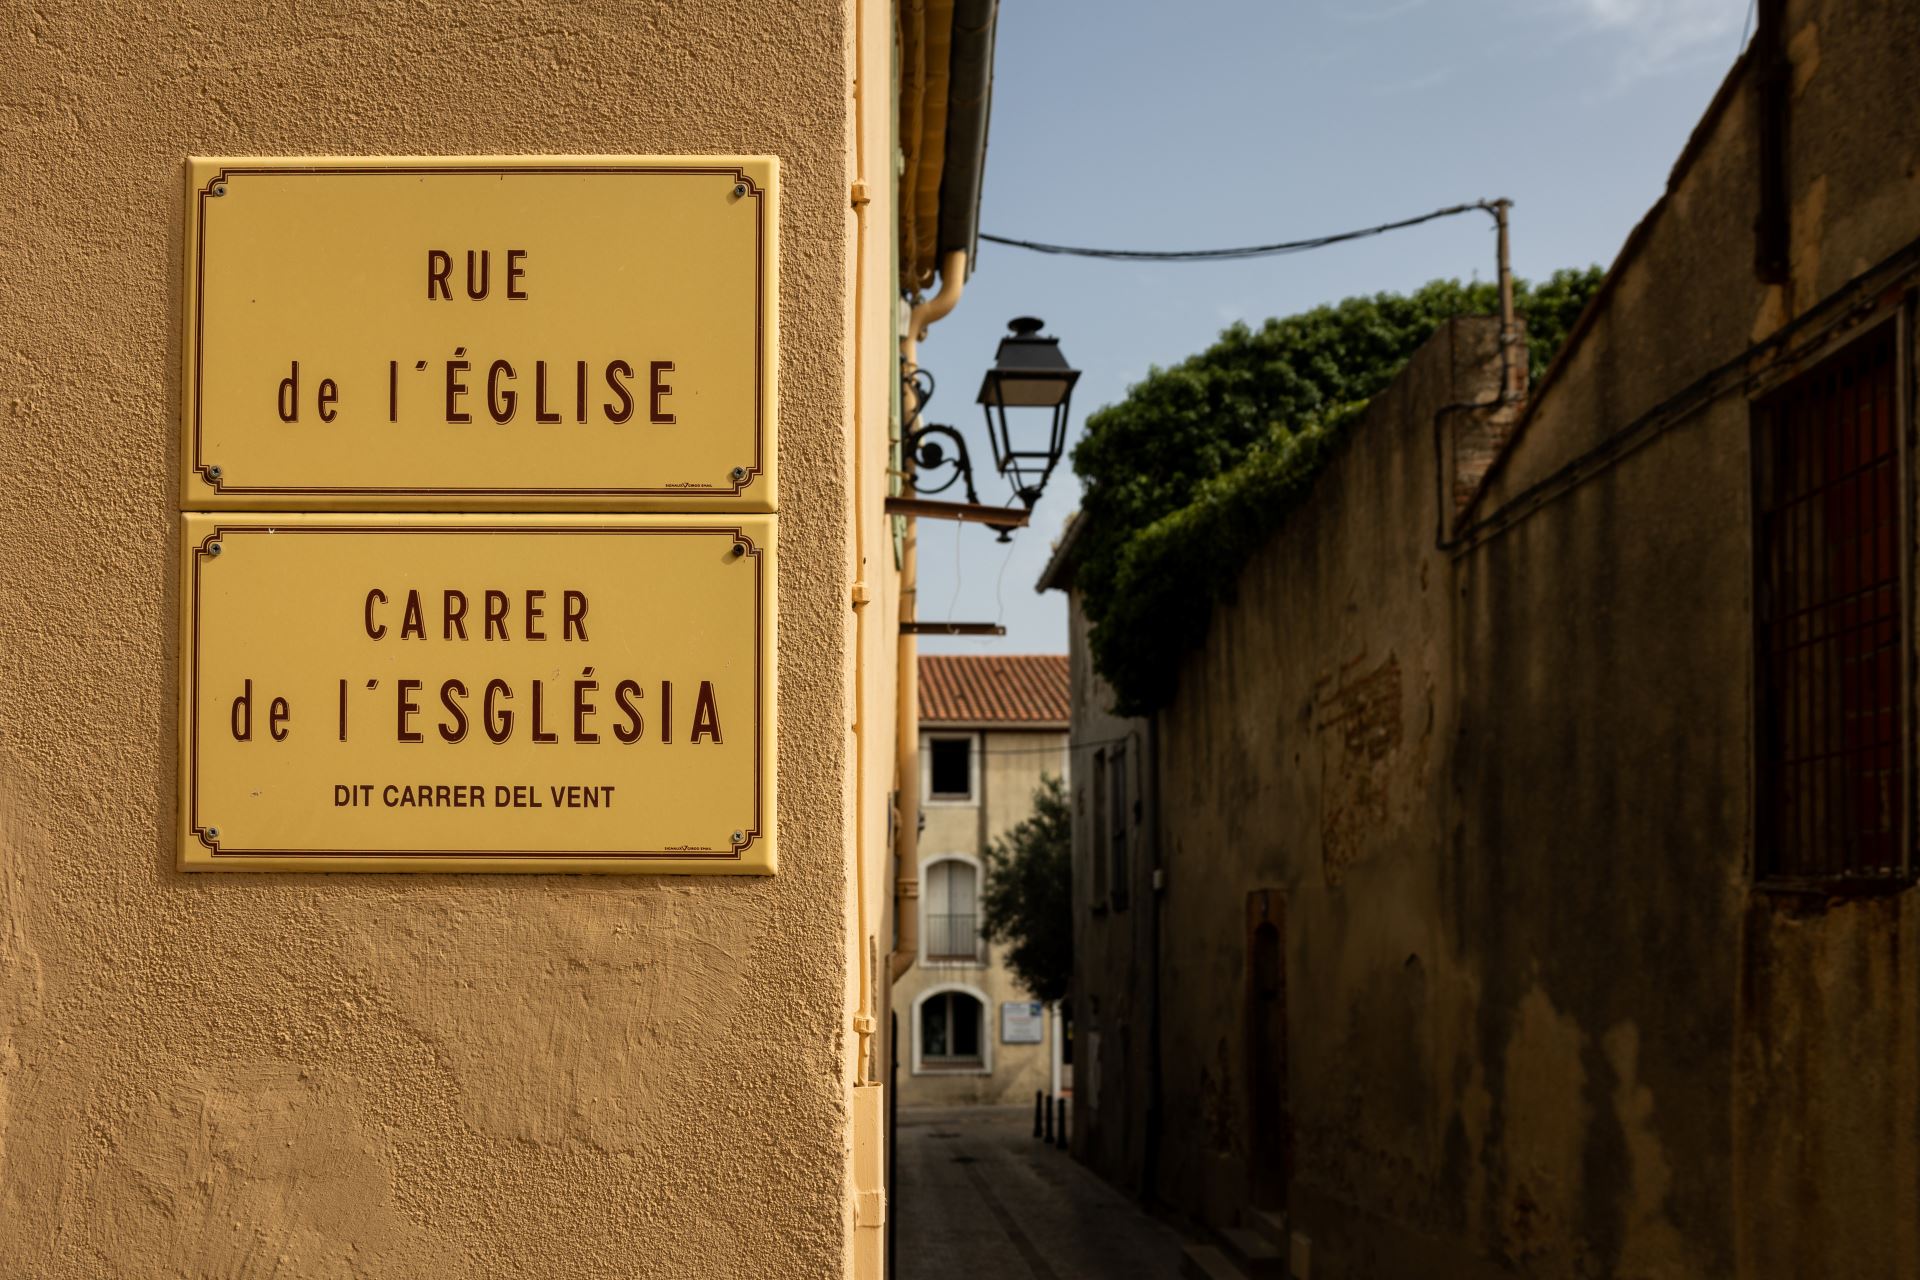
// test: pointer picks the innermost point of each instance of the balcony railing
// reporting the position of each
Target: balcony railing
(953, 937)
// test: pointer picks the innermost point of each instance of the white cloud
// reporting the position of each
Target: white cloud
(1660, 35)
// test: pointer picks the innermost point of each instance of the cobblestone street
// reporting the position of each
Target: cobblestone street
(978, 1195)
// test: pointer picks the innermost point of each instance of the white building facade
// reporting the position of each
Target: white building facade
(992, 727)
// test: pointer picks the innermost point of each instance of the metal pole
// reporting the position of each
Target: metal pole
(1054, 1049)
(1509, 328)
(1039, 1105)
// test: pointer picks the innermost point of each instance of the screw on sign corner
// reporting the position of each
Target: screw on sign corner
(212, 476)
(739, 189)
(739, 837)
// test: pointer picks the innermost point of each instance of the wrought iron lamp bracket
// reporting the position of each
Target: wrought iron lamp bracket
(923, 446)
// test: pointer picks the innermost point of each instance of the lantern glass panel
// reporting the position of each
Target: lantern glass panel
(1027, 391)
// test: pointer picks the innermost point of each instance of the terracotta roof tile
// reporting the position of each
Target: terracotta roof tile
(1020, 688)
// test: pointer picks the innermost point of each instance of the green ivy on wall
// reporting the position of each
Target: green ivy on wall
(1189, 474)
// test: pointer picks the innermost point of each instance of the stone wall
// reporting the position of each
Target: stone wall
(1113, 949)
(1540, 1017)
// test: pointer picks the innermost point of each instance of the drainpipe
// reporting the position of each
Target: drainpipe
(906, 889)
(863, 1022)
(869, 1127)
(953, 280)
(963, 166)
(1056, 1064)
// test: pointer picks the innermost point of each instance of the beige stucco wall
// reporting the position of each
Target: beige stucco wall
(1008, 768)
(383, 1075)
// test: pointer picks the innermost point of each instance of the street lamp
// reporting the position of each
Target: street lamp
(1028, 373)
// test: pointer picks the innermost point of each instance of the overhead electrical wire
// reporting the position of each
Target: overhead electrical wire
(1243, 251)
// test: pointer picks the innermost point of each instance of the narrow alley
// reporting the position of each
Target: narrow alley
(978, 1195)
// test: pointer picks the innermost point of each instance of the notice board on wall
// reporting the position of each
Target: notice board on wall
(1022, 1022)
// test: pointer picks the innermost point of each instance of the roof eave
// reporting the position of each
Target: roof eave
(969, 108)
(1058, 575)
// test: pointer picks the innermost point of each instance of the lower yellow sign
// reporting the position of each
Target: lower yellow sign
(477, 693)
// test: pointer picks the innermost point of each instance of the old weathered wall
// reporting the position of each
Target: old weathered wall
(1596, 860)
(1511, 914)
(1301, 757)
(1113, 949)
(1540, 1018)
(1805, 1009)
(384, 1075)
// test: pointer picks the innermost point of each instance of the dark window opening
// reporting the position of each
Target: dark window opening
(1121, 873)
(1099, 842)
(952, 768)
(950, 1030)
(1830, 616)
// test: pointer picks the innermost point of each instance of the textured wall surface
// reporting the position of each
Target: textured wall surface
(252, 1075)
(1814, 1120)
(1113, 951)
(1541, 1019)
(1303, 756)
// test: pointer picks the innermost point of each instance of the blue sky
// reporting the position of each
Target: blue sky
(1155, 124)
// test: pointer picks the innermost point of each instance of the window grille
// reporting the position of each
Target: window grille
(1830, 610)
(953, 929)
(952, 935)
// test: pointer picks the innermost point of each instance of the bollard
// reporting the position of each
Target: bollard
(1039, 1105)
(1047, 1137)
(1061, 1129)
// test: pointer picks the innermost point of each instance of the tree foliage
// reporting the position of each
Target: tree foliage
(1190, 473)
(1027, 902)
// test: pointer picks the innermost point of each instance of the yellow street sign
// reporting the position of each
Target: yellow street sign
(533, 333)
(477, 693)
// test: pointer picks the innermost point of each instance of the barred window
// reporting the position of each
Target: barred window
(1830, 610)
(953, 923)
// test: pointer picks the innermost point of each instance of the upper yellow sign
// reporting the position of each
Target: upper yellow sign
(477, 333)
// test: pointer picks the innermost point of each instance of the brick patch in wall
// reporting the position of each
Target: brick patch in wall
(1358, 715)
